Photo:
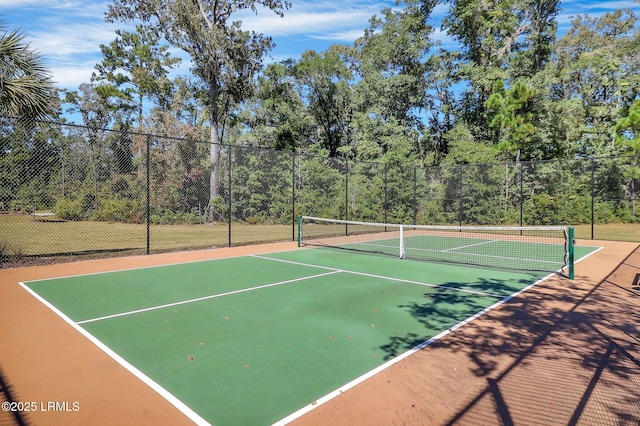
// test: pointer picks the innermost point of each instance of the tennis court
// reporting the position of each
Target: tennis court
(264, 338)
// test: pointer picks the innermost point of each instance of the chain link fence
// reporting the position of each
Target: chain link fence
(68, 191)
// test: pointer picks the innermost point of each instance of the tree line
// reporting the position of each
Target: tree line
(510, 91)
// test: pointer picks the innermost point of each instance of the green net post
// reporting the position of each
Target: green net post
(571, 244)
(299, 230)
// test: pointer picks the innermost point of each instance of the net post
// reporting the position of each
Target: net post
(571, 252)
(401, 241)
(299, 230)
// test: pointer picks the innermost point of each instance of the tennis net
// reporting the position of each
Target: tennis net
(529, 248)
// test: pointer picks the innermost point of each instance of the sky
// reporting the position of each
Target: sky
(68, 33)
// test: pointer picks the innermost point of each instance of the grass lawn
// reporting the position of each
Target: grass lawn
(610, 231)
(22, 236)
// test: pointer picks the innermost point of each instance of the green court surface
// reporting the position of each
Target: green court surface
(251, 340)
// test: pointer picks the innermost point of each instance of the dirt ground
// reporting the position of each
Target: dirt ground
(564, 352)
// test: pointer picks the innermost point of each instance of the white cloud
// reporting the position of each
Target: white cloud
(65, 41)
(8, 4)
(341, 36)
(587, 6)
(69, 32)
(306, 20)
(445, 40)
(91, 9)
(70, 77)
(571, 10)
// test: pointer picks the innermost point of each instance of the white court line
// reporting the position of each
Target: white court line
(485, 256)
(193, 416)
(304, 410)
(198, 299)
(138, 268)
(173, 400)
(346, 271)
(469, 245)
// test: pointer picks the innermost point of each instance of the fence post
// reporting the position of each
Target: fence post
(346, 195)
(593, 192)
(460, 194)
(293, 196)
(521, 194)
(229, 204)
(148, 212)
(386, 190)
(415, 195)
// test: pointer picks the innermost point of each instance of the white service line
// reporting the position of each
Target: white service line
(382, 277)
(469, 245)
(198, 299)
(304, 410)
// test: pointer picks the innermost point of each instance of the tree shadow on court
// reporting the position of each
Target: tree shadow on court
(447, 307)
(8, 395)
(573, 353)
